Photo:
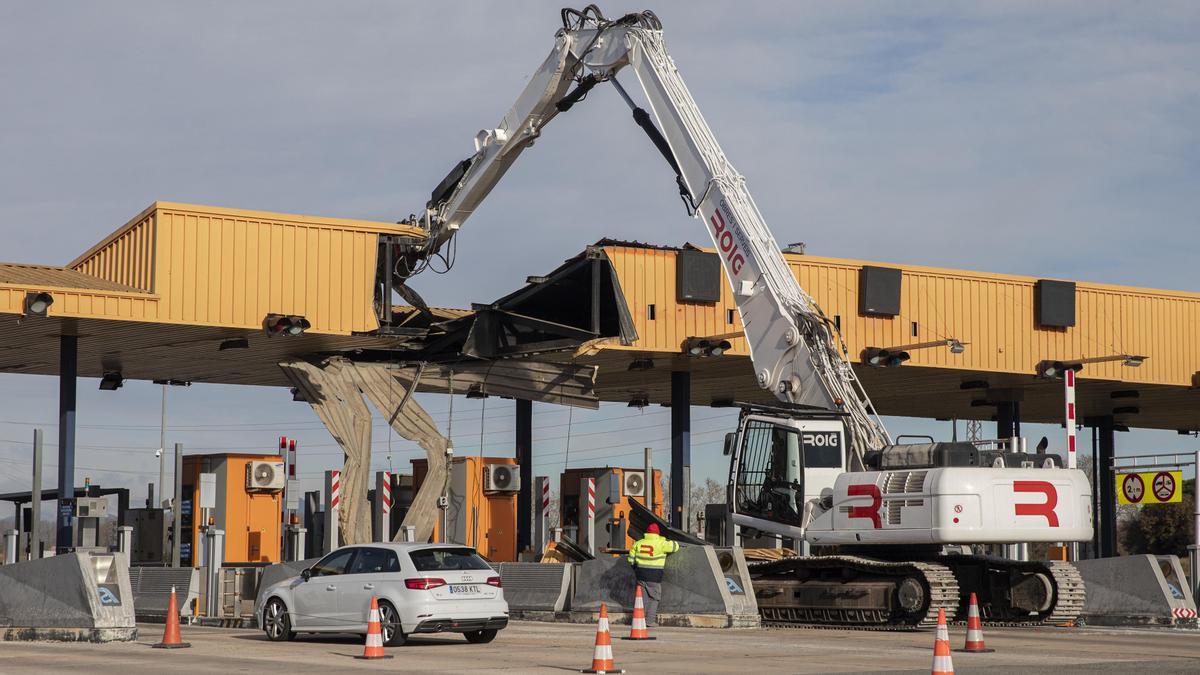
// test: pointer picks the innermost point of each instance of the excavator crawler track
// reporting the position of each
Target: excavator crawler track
(853, 592)
(979, 574)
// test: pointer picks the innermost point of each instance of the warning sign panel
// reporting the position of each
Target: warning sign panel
(1154, 487)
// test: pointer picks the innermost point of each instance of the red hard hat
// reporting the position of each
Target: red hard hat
(653, 529)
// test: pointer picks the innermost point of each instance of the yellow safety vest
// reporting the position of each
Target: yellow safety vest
(651, 551)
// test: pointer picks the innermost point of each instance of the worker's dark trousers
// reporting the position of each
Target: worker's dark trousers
(651, 592)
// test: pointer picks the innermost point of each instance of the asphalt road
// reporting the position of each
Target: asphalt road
(556, 648)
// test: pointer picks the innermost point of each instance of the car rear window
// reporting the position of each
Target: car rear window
(444, 559)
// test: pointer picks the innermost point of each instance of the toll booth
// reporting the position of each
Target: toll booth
(611, 521)
(248, 506)
(482, 504)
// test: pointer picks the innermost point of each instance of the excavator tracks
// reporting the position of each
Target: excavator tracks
(867, 594)
(853, 592)
(1019, 593)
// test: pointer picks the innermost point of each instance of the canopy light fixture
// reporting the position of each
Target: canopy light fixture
(1055, 369)
(974, 384)
(288, 325)
(234, 343)
(641, 365)
(1127, 410)
(173, 383)
(891, 357)
(476, 391)
(36, 304)
(640, 401)
(713, 345)
(297, 396)
(1125, 393)
(111, 381)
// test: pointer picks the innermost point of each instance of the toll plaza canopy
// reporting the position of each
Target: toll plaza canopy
(185, 292)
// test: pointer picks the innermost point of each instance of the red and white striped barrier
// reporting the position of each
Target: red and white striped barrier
(1183, 613)
(335, 494)
(387, 492)
(1070, 417)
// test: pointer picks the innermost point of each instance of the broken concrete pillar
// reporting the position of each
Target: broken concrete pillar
(330, 388)
(388, 390)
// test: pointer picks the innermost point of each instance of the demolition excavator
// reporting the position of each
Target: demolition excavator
(818, 466)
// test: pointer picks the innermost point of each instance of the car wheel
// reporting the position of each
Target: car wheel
(480, 637)
(277, 624)
(389, 625)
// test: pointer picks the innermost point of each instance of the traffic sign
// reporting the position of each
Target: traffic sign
(1132, 489)
(1161, 487)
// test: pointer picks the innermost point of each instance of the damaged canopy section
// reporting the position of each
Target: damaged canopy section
(519, 346)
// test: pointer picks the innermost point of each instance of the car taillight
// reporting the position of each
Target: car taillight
(423, 583)
(494, 581)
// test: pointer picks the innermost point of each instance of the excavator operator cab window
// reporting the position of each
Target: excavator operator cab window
(770, 476)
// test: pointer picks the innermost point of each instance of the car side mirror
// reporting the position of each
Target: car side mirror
(306, 574)
(730, 440)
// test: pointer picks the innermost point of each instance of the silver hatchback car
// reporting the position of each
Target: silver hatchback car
(420, 588)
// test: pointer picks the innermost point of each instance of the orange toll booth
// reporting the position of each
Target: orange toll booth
(614, 486)
(482, 508)
(248, 503)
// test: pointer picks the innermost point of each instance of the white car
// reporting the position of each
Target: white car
(420, 588)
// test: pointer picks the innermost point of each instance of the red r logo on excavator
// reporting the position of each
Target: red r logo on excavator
(725, 241)
(870, 512)
(1046, 508)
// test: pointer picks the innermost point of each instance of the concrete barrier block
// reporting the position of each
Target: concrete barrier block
(69, 597)
(1136, 589)
(702, 586)
(536, 587)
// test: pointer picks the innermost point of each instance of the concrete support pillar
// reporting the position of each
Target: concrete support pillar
(1106, 528)
(524, 447)
(177, 528)
(68, 368)
(35, 499)
(1006, 423)
(681, 447)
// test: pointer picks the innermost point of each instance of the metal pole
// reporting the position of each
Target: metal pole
(1107, 489)
(524, 443)
(125, 539)
(177, 527)
(68, 368)
(216, 558)
(588, 524)
(1194, 549)
(162, 449)
(681, 447)
(542, 522)
(35, 499)
(333, 499)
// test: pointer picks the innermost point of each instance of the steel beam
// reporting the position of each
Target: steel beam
(68, 369)
(524, 446)
(1106, 529)
(681, 446)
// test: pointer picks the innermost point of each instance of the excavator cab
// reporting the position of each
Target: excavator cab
(778, 464)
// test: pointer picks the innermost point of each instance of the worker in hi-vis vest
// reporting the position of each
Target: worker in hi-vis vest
(648, 557)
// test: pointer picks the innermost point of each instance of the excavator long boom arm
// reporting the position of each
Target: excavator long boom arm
(795, 351)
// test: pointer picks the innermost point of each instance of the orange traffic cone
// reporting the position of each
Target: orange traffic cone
(602, 657)
(374, 647)
(942, 665)
(170, 638)
(974, 630)
(638, 630)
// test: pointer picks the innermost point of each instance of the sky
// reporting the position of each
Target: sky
(1048, 139)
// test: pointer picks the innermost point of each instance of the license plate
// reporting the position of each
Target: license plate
(466, 589)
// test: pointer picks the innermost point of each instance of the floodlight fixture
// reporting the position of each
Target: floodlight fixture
(37, 303)
(111, 381)
(286, 325)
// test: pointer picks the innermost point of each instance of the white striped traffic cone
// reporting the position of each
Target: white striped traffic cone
(942, 664)
(974, 630)
(602, 657)
(638, 629)
(374, 647)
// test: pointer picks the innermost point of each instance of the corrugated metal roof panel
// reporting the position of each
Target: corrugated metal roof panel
(45, 276)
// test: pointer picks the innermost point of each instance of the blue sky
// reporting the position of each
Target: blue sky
(1056, 140)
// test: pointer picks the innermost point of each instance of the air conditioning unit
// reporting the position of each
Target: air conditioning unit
(265, 476)
(501, 477)
(635, 484)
